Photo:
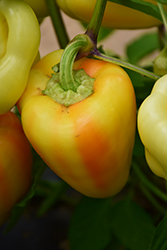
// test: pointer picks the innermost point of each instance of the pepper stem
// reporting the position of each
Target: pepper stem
(70, 86)
(82, 44)
(96, 20)
(163, 13)
(58, 23)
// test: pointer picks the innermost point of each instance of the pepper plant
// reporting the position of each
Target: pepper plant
(95, 121)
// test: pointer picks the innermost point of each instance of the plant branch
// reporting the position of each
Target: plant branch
(95, 53)
(96, 20)
(163, 13)
(58, 23)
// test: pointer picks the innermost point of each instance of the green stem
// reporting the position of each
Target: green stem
(58, 23)
(95, 53)
(147, 183)
(96, 20)
(70, 86)
(80, 43)
(163, 14)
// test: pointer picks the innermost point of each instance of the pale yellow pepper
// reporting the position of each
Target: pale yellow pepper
(19, 44)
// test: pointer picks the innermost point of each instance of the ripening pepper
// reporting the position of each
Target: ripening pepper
(152, 126)
(19, 43)
(15, 164)
(116, 16)
(88, 143)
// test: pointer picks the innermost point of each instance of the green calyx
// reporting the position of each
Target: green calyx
(68, 97)
(69, 86)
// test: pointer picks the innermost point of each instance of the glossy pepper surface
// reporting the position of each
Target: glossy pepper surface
(15, 164)
(39, 7)
(19, 43)
(116, 16)
(88, 144)
(152, 126)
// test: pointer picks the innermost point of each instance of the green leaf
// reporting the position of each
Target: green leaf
(141, 47)
(144, 6)
(132, 225)
(103, 33)
(142, 85)
(57, 189)
(162, 1)
(143, 91)
(159, 241)
(90, 225)
(136, 78)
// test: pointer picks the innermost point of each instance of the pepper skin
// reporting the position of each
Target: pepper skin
(15, 164)
(116, 16)
(20, 39)
(88, 144)
(152, 126)
(39, 7)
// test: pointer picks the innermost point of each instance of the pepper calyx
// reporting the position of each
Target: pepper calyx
(69, 97)
(68, 86)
